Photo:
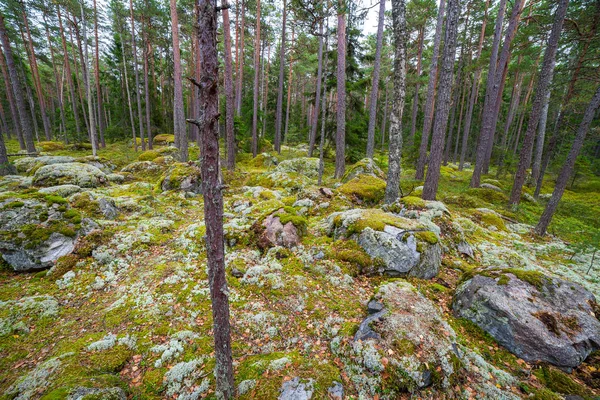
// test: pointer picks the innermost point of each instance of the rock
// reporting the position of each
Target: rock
(164, 139)
(336, 391)
(184, 177)
(148, 171)
(424, 350)
(115, 178)
(108, 208)
(326, 192)
(14, 182)
(35, 233)
(535, 317)
(61, 190)
(83, 175)
(490, 186)
(103, 164)
(295, 389)
(236, 273)
(465, 248)
(365, 331)
(29, 165)
(404, 247)
(366, 166)
(364, 189)
(84, 393)
(374, 307)
(278, 233)
(306, 166)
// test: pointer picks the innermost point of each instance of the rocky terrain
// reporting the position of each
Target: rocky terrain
(104, 291)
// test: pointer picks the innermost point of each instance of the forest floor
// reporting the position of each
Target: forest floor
(129, 311)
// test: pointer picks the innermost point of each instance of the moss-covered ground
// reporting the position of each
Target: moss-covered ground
(143, 280)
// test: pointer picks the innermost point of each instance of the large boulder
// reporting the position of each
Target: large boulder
(366, 166)
(184, 177)
(364, 189)
(148, 171)
(404, 247)
(80, 174)
(28, 165)
(103, 164)
(536, 317)
(281, 228)
(37, 231)
(306, 166)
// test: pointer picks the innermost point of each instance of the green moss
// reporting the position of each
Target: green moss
(14, 204)
(64, 264)
(149, 155)
(489, 195)
(559, 382)
(534, 278)
(490, 219)
(349, 252)
(110, 361)
(403, 347)
(53, 199)
(413, 202)
(49, 146)
(504, 279)
(364, 188)
(545, 394)
(375, 219)
(427, 236)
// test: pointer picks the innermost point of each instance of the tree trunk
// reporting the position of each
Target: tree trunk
(57, 80)
(228, 79)
(240, 64)
(542, 88)
(443, 102)
(340, 141)
(384, 120)
(279, 112)
(375, 83)
(212, 189)
(474, 92)
(428, 111)
(78, 53)
(36, 75)
(512, 110)
(256, 81)
(539, 145)
(289, 93)
(24, 118)
(14, 112)
(137, 86)
(490, 98)
(395, 143)
(147, 52)
(126, 79)
(88, 86)
(315, 120)
(101, 124)
(6, 168)
(67, 66)
(415, 107)
(567, 169)
(323, 110)
(179, 128)
(265, 93)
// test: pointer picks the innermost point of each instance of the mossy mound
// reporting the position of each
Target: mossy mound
(83, 175)
(51, 146)
(364, 189)
(366, 166)
(185, 177)
(165, 139)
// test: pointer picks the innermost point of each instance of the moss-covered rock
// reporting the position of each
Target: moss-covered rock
(29, 165)
(182, 176)
(83, 175)
(148, 171)
(364, 189)
(165, 139)
(366, 166)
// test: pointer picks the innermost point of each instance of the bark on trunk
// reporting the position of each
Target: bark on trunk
(101, 123)
(256, 81)
(240, 64)
(542, 88)
(289, 93)
(315, 120)
(415, 107)
(512, 110)
(443, 103)
(567, 169)
(279, 112)
(539, 145)
(340, 141)
(14, 112)
(395, 143)
(179, 128)
(148, 108)
(57, 80)
(228, 80)
(385, 117)
(428, 111)
(88, 86)
(375, 83)
(323, 110)
(24, 118)
(212, 189)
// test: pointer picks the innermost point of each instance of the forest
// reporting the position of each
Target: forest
(295, 199)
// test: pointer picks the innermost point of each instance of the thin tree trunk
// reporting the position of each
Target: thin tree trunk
(279, 112)
(512, 110)
(148, 107)
(415, 107)
(36, 75)
(542, 88)
(384, 120)
(228, 79)
(57, 80)
(323, 109)
(460, 119)
(567, 169)
(443, 102)
(392, 188)
(88, 86)
(101, 123)
(256, 81)
(313, 127)
(289, 93)
(240, 64)
(179, 127)
(266, 68)
(340, 142)
(539, 145)
(14, 112)
(375, 83)
(24, 118)
(491, 94)
(137, 87)
(126, 79)
(428, 111)
(212, 188)
(78, 53)
(6, 168)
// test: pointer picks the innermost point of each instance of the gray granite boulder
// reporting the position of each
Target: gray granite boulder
(183, 177)
(296, 389)
(537, 318)
(83, 175)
